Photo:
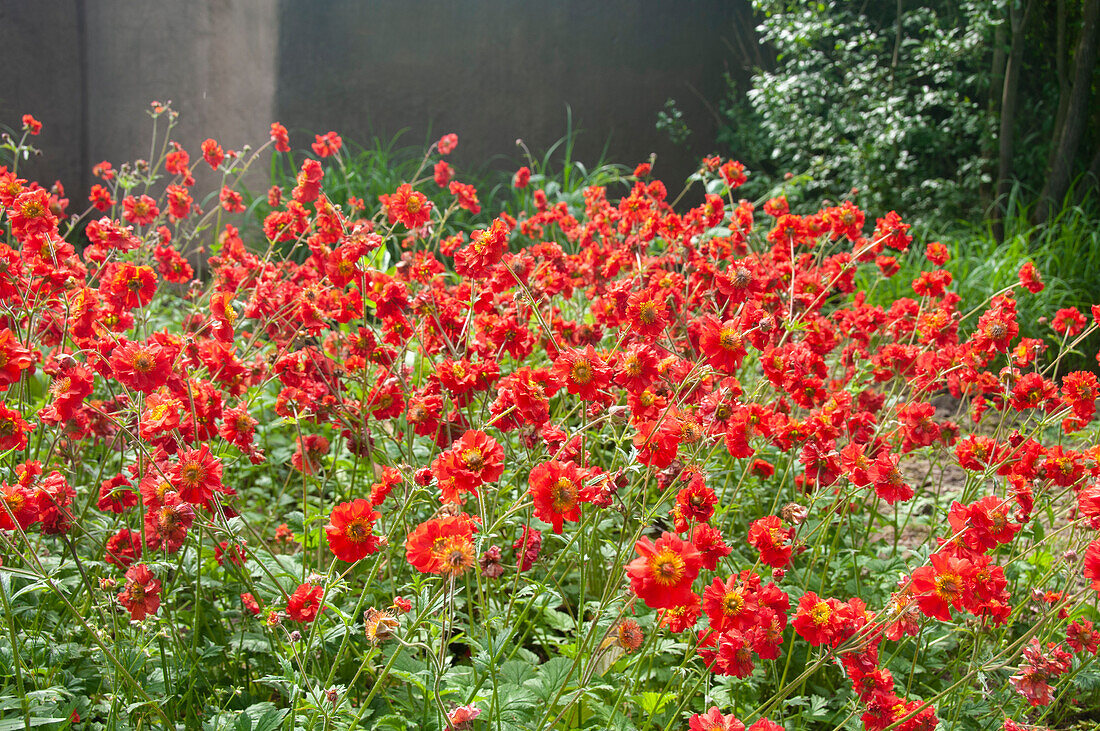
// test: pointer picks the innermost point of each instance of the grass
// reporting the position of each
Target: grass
(1066, 251)
(380, 166)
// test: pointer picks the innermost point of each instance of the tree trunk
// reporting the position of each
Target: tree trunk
(1018, 22)
(996, 87)
(1064, 87)
(1054, 192)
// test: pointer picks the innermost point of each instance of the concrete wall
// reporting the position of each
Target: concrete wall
(214, 59)
(490, 70)
(40, 54)
(497, 70)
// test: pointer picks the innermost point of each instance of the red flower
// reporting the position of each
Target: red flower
(231, 200)
(1030, 278)
(729, 605)
(583, 372)
(774, 541)
(197, 476)
(983, 524)
(250, 603)
(937, 253)
(709, 543)
(117, 495)
(522, 177)
(714, 720)
(14, 358)
(466, 195)
(307, 458)
(891, 231)
(484, 251)
(647, 313)
(18, 504)
(480, 455)
(918, 428)
(13, 429)
(101, 198)
(305, 603)
(177, 162)
(131, 286)
(696, 501)
(280, 137)
(166, 524)
(309, 178)
(212, 152)
(816, 620)
(721, 343)
(408, 207)
(139, 211)
(1079, 392)
(663, 573)
(179, 201)
(888, 481)
(350, 530)
(947, 583)
(327, 144)
(31, 125)
(733, 173)
(447, 144)
(1092, 564)
(527, 548)
(657, 442)
(442, 172)
(30, 215)
(123, 548)
(141, 596)
(442, 546)
(1082, 637)
(1069, 320)
(104, 170)
(637, 368)
(558, 490)
(142, 366)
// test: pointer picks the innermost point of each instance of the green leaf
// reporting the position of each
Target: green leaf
(409, 678)
(553, 675)
(271, 720)
(392, 721)
(652, 703)
(516, 672)
(14, 724)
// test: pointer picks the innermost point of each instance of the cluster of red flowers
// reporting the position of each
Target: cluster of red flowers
(701, 335)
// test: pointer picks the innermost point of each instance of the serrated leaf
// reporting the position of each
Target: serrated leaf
(409, 678)
(515, 672)
(652, 702)
(554, 672)
(271, 720)
(392, 721)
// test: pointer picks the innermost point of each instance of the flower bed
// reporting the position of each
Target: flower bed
(590, 463)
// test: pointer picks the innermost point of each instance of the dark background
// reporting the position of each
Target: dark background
(490, 70)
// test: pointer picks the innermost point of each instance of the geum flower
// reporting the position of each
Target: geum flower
(558, 490)
(947, 583)
(141, 595)
(472, 460)
(662, 574)
(583, 373)
(350, 530)
(442, 546)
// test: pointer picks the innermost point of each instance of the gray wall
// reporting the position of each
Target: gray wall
(490, 70)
